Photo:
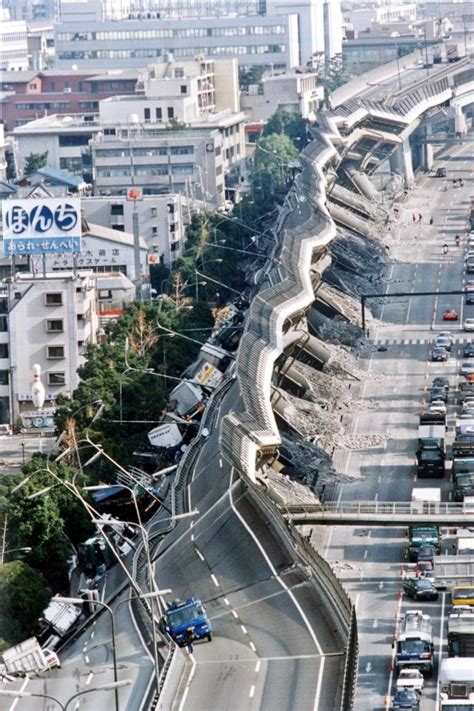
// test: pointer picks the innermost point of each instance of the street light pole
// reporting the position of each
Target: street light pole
(220, 283)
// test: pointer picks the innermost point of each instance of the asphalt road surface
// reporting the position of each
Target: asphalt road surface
(370, 560)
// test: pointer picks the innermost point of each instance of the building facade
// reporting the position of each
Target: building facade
(13, 46)
(45, 320)
(26, 96)
(137, 41)
(291, 92)
(160, 221)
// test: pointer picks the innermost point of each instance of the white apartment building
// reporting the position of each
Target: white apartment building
(160, 221)
(144, 38)
(291, 92)
(13, 46)
(46, 320)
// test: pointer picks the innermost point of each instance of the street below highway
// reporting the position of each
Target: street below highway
(370, 560)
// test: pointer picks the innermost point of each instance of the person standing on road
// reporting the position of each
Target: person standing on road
(414, 217)
(420, 217)
(189, 640)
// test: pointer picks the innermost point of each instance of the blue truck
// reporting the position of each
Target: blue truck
(186, 621)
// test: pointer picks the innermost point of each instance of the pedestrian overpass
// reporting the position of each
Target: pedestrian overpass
(380, 513)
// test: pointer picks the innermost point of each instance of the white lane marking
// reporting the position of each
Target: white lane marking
(365, 553)
(214, 580)
(188, 685)
(252, 691)
(220, 463)
(441, 641)
(200, 554)
(92, 634)
(86, 659)
(356, 601)
(257, 667)
(285, 586)
(244, 629)
(226, 602)
(22, 688)
(192, 536)
(89, 679)
(76, 705)
(235, 614)
(252, 647)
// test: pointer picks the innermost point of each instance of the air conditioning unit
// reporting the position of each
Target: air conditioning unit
(67, 90)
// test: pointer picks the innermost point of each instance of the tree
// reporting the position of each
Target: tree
(290, 123)
(335, 74)
(34, 162)
(23, 597)
(251, 75)
(272, 167)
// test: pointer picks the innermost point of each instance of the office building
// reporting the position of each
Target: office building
(13, 46)
(270, 40)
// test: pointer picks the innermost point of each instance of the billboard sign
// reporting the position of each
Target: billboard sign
(51, 226)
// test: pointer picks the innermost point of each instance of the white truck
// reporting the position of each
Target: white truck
(426, 500)
(456, 684)
(61, 616)
(26, 658)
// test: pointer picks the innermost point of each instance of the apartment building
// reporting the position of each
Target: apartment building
(45, 320)
(160, 221)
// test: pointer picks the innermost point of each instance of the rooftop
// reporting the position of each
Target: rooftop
(107, 233)
(62, 177)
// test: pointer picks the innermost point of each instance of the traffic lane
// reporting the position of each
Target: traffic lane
(223, 559)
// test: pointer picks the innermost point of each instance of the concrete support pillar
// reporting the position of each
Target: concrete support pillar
(427, 149)
(401, 163)
(363, 182)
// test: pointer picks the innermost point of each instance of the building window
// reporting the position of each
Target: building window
(181, 150)
(3, 350)
(146, 114)
(170, 112)
(3, 323)
(116, 209)
(17, 295)
(184, 89)
(154, 230)
(158, 114)
(55, 352)
(3, 306)
(4, 377)
(56, 378)
(54, 325)
(105, 294)
(53, 298)
(118, 228)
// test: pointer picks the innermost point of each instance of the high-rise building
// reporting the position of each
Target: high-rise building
(13, 46)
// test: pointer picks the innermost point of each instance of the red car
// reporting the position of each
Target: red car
(450, 315)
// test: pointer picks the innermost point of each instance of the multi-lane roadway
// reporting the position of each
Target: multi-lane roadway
(370, 560)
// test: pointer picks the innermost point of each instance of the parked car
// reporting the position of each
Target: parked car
(438, 406)
(411, 678)
(440, 382)
(426, 552)
(5, 430)
(467, 368)
(444, 342)
(438, 394)
(439, 355)
(450, 314)
(420, 589)
(440, 173)
(468, 350)
(406, 699)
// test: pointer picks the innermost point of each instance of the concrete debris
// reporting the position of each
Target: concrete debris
(290, 490)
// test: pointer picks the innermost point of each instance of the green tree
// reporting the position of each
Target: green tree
(251, 75)
(34, 162)
(290, 123)
(272, 167)
(23, 597)
(335, 74)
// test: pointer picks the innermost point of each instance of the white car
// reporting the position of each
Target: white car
(468, 324)
(411, 678)
(438, 406)
(466, 368)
